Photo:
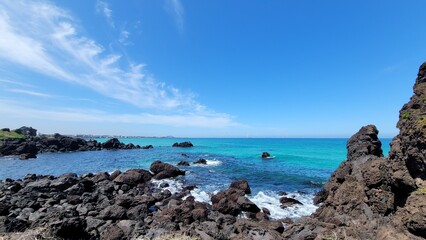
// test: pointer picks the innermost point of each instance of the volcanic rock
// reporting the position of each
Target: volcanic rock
(382, 198)
(164, 170)
(183, 144)
(183, 163)
(27, 131)
(201, 161)
(288, 202)
(133, 177)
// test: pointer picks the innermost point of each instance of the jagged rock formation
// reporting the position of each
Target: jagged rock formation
(372, 197)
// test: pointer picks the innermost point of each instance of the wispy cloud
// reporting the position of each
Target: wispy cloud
(103, 8)
(124, 37)
(10, 82)
(98, 116)
(177, 11)
(43, 38)
(28, 92)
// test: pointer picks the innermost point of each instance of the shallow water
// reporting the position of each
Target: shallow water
(299, 167)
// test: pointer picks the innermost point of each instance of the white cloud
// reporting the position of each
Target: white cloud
(177, 11)
(28, 92)
(12, 108)
(124, 36)
(41, 37)
(103, 7)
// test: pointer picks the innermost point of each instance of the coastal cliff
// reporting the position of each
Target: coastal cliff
(372, 197)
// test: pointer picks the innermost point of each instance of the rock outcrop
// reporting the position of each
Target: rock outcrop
(164, 170)
(29, 146)
(201, 161)
(373, 197)
(183, 144)
(265, 155)
(27, 131)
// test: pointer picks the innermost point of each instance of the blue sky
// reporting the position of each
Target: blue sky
(208, 68)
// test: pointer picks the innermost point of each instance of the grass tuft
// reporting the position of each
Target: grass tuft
(10, 135)
(406, 115)
(421, 190)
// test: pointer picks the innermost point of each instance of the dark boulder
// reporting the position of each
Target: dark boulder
(288, 202)
(71, 143)
(25, 156)
(27, 147)
(113, 232)
(233, 201)
(164, 170)
(266, 155)
(201, 161)
(113, 212)
(112, 143)
(147, 147)
(71, 228)
(183, 163)
(241, 185)
(115, 174)
(183, 144)
(133, 177)
(27, 131)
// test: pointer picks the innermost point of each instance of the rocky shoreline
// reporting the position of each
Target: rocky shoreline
(368, 197)
(31, 144)
(128, 205)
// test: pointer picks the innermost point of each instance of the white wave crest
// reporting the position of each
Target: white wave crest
(271, 201)
(174, 186)
(210, 163)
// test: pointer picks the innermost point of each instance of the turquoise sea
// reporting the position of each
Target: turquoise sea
(299, 167)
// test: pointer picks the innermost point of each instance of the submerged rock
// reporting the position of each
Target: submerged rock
(266, 155)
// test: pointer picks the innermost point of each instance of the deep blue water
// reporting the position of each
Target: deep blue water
(299, 165)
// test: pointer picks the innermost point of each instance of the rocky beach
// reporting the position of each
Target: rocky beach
(369, 196)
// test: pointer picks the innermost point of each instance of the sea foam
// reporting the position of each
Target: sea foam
(271, 201)
(210, 163)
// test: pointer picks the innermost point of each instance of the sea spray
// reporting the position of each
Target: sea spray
(271, 201)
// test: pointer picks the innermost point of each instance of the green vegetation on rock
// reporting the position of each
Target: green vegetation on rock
(10, 135)
(406, 115)
(421, 190)
(421, 122)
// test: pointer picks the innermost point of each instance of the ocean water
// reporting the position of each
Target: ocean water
(299, 167)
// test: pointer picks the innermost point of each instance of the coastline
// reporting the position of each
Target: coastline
(368, 196)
